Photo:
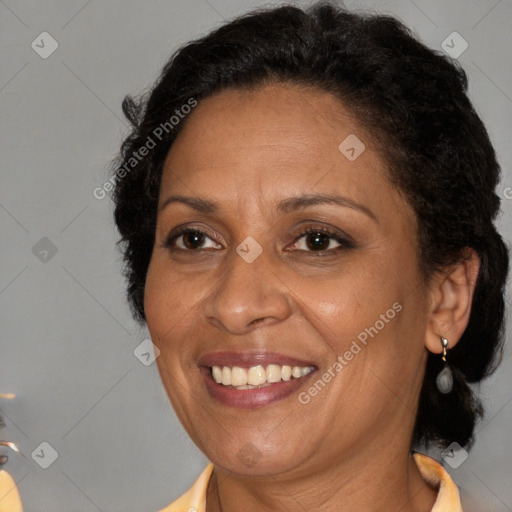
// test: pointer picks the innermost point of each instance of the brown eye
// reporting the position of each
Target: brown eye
(317, 241)
(193, 239)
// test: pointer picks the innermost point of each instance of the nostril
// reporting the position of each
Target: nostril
(257, 321)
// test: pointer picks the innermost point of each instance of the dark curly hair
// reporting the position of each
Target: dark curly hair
(412, 99)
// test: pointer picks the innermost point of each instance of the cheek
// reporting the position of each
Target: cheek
(166, 307)
(349, 300)
(369, 313)
(173, 304)
(167, 300)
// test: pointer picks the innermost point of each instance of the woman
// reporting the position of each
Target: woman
(306, 204)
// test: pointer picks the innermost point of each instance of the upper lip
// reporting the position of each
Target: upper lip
(249, 359)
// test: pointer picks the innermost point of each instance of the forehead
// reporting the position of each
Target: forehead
(276, 114)
(272, 138)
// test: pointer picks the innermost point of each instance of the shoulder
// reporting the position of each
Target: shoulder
(11, 501)
(194, 500)
(433, 473)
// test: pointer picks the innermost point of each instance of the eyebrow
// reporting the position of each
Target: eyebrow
(198, 204)
(286, 205)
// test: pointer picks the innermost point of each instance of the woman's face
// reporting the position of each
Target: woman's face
(300, 253)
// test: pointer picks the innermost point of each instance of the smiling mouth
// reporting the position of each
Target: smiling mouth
(236, 377)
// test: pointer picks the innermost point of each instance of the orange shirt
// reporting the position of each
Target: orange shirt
(10, 500)
(194, 500)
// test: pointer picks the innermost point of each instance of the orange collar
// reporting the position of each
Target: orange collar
(432, 472)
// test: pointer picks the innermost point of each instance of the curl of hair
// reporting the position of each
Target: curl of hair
(411, 99)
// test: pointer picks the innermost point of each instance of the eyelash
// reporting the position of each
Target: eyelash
(344, 241)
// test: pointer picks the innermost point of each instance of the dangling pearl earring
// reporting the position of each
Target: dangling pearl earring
(444, 380)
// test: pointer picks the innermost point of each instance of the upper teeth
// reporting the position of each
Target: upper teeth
(257, 375)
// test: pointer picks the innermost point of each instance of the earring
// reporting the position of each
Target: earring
(444, 380)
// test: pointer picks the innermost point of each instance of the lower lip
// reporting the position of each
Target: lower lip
(252, 398)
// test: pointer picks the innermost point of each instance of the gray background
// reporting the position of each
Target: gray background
(67, 337)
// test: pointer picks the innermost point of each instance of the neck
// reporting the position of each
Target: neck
(371, 483)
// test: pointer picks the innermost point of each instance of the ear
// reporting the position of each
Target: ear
(451, 294)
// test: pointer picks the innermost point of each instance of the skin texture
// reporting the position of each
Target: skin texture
(248, 150)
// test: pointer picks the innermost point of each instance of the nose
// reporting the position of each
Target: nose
(247, 296)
